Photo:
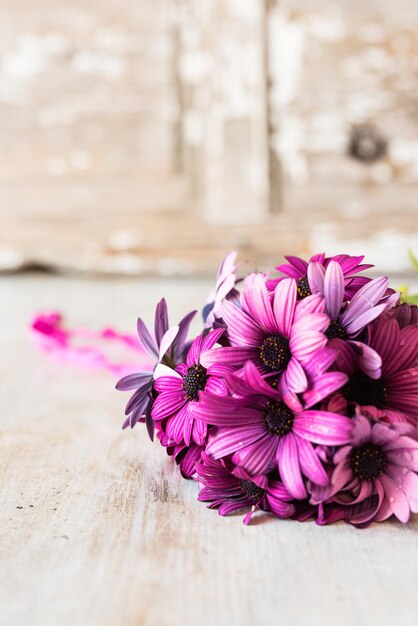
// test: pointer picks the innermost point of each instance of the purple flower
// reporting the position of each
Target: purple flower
(393, 396)
(405, 314)
(347, 321)
(224, 288)
(278, 334)
(167, 346)
(178, 392)
(262, 431)
(234, 490)
(186, 457)
(376, 476)
(298, 269)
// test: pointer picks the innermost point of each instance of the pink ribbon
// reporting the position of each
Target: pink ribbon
(59, 343)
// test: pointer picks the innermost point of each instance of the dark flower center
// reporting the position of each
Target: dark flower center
(303, 287)
(252, 491)
(368, 462)
(275, 352)
(278, 418)
(365, 390)
(336, 331)
(194, 381)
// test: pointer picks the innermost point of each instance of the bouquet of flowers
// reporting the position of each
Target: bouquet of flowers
(298, 398)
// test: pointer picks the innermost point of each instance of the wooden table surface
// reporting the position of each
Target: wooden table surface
(97, 528)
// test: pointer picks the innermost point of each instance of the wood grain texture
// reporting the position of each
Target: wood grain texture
(97, 528)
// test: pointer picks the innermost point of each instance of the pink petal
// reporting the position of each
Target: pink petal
(323, 387)
(256, 302)
(362, 431)
(316, 275)
(323, 427)
(278, 507)
(168, 383)
(167, 340)
(167, 403)
(164, 370)
(211, 338)
(304, 344)
(242, 329)
(295, 376)
(289, 467)
(228, 356)
(230, 440)
(398, 501)
(176, 425)
(362, 320)
(368, 359)
(310, 464)
(284, 303)
(199, 432)
(334, 289)
(365, 299)
(194, 351)
(258, 457)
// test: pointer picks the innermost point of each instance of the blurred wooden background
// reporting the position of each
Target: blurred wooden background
(153, 136)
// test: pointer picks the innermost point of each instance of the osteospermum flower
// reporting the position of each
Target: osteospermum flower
(405, 314)
(224, 288)
(167, 346)
(376, 476)
(234, 490)
(278, 334)
(262, 431)
(178, 389)
(393, 396)
(297, 268)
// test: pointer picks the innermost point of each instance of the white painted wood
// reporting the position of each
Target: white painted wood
(97, 528)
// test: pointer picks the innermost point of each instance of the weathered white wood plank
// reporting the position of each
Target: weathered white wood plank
(97, 528)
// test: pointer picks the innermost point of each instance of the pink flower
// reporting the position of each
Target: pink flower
(179, 389)
(376, 476)
(232, 489)
(279, 335)
(263, 431)
(393, 396)
(298, 269)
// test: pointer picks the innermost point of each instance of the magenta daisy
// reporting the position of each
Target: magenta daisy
(166, 346)
(297, 268)
(262, 431)
(279, 335)
(376, 476)
(232, 489)
(393, 396)
(179, 389)
(347, 321)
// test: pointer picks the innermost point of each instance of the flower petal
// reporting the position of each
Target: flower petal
(310, 464)
(284, 304)
(316, 275)
(146, 340)
(259, 457)
(229, 440)
(289, 466)
(167, 340)
(256, 302)
(295, 376)
(242, 329)
(334, 289)
(323, 427)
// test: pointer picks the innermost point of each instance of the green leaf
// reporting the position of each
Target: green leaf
(410, 299)
(414, 260)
